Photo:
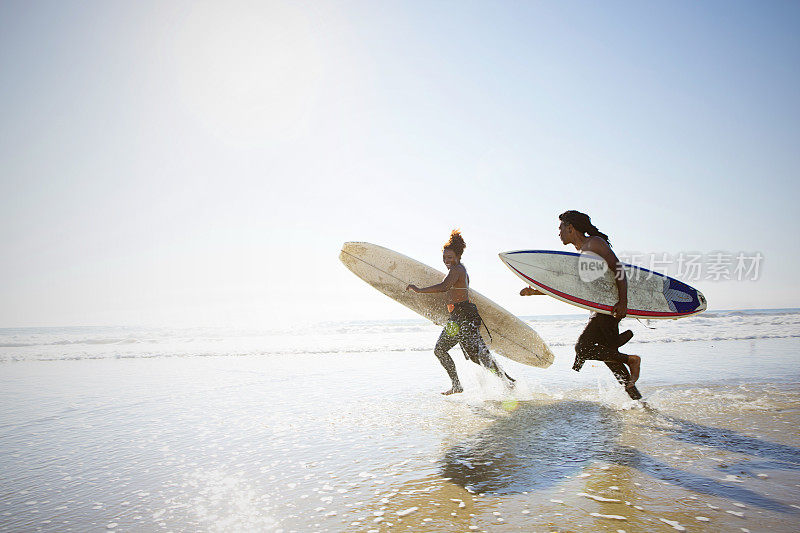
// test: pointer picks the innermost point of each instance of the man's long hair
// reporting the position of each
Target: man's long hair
(582, 222)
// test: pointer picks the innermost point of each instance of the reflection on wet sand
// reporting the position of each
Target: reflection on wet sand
(534, 447)
(539, 445)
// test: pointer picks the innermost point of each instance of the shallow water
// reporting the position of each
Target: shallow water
(363, 441)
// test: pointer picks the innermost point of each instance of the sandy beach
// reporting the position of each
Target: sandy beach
(363, 441)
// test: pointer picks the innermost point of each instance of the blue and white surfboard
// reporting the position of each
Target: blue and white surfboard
(584, 280)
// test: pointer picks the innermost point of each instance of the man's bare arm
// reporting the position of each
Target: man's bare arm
(530, 291)
(602, 249)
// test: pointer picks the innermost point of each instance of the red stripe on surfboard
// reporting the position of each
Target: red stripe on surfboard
(636, 312)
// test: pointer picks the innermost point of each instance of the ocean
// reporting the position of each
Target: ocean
(339, 426)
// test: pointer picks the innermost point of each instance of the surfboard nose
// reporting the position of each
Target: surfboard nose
(353, 248)
(507, 257)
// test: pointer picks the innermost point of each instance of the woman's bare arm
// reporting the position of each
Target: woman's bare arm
(444, 286)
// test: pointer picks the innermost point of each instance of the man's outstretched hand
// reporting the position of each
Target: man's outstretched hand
(530, 291)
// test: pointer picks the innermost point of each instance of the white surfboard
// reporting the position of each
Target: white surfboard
(391, 272)
(584, 280)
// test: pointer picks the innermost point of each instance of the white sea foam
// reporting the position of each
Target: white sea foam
(17, 344)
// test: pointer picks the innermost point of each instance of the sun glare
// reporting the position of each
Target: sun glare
(248, 73)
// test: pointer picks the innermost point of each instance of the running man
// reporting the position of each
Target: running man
(600, 340)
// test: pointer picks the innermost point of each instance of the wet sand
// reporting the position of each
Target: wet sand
(364, 442)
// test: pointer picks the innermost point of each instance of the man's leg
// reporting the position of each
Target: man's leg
(613, 339)
(635, 364)
(624, 337)
(633, 361)
(590, 341)
(623, 376)
(600, 340)
(443, 345)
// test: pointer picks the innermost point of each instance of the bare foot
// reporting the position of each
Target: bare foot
(454, 390)
(635, 364)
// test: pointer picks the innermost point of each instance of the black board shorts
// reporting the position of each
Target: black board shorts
(599, 341)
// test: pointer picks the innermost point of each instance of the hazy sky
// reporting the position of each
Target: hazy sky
(202, 163)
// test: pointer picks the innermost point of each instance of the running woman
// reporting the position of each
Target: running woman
(463, 326)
